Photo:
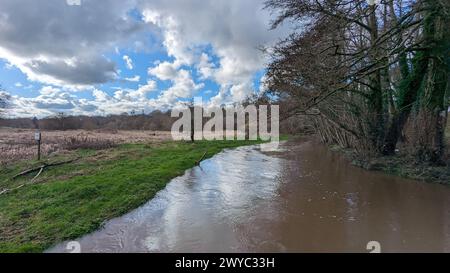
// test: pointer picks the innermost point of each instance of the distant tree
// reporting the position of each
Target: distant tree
(61, 121)
(88, 124)
(155, 121)
(35, 123)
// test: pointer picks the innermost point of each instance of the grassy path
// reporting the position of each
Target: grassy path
(69, 201)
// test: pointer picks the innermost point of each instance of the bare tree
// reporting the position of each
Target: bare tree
(361, 70)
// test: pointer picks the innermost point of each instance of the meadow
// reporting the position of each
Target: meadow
(85, 183)
(19, 144)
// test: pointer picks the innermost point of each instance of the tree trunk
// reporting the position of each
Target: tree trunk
(409, 90)
(434, 107)
(375, 103)
(430, 72)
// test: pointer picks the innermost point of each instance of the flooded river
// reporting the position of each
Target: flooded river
(302, 198)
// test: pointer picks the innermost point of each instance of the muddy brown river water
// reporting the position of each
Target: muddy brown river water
(302, 198)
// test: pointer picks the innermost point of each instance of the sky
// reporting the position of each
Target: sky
(90, 57)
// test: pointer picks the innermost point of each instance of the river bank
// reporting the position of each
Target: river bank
(70, 200)
(402, 164)
(399, 165)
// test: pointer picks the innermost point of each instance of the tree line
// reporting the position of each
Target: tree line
(369, 76)
(155, 121)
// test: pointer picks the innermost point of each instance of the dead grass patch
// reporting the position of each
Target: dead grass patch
(19, 144)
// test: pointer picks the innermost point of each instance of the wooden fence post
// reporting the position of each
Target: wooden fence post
(37, 137)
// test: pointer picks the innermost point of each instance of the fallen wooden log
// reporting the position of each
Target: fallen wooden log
(5, 191)
(28, 172)
(39, 173)
(40, 168)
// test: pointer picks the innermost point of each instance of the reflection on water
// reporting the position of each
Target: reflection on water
(302, 198)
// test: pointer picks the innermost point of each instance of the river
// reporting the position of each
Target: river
(302, 198)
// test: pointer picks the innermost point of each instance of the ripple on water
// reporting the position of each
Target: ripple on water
(299, 197)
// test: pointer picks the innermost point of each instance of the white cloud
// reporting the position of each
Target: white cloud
(100, 95)
(205, 67)
(233, 28)
(240, 92)
(143, 90)
(128, 62)
(50, 101)
(183, 87)
(53, 100)
(49, 90)
(54, 43)
(149, 87)
(136, 78)
(172, 32)
(164, 71)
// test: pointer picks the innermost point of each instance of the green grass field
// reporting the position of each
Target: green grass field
(68, 201)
